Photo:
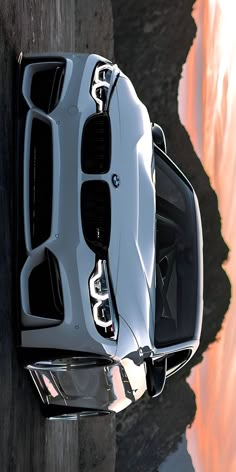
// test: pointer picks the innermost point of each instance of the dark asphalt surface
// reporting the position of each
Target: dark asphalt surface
(28, 442)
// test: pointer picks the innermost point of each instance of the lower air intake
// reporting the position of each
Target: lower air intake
(45, 289)
(46, 86)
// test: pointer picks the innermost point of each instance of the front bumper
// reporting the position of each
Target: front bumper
(108, 387)
(61, 129)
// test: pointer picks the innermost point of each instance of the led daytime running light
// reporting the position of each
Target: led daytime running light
(101, 301)
(103, 324)
(99, 84)
(92, 284)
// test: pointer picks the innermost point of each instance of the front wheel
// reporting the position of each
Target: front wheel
(70, 384)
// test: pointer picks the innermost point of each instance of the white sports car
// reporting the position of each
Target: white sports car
(111, 266)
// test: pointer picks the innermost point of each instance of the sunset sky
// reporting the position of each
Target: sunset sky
(207, 107)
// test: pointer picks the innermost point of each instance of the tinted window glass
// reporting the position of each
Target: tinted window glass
(176, 269)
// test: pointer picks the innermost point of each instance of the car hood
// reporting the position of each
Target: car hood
(132, 242)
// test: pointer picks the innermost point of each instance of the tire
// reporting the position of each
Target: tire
(37, 355)
(61, 412)
(50, 359)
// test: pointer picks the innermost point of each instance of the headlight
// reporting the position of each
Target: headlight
(101, 301)
(103, 77)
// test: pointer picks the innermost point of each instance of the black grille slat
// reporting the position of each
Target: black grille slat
(96, 215)
(96, 145)
(40, 182)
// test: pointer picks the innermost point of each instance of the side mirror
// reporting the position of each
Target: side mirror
(158, 137)
(156, 376)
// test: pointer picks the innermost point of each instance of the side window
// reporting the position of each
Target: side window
(176, 256)
(176, 360)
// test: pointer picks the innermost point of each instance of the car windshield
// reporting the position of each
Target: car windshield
(176, 254)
